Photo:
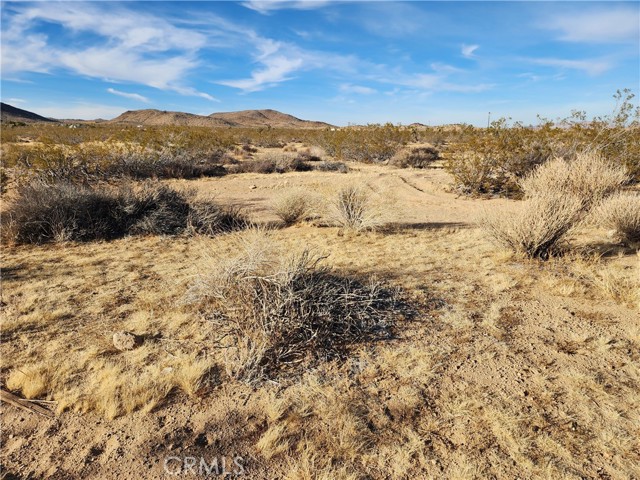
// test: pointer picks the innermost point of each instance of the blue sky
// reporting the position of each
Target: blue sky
(340, 62)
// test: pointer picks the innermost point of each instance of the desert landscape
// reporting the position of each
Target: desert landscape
(420, 302)
(319, 240)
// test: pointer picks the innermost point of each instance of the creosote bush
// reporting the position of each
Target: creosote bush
(275, 311)
(621, 213)
(416, 157)
(107, 160)
(51, 212)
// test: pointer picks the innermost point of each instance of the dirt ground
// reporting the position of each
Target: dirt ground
(512, 369)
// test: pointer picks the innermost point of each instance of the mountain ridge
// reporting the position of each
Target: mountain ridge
(153, 117)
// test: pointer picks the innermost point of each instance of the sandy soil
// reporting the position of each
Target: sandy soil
(513, 369)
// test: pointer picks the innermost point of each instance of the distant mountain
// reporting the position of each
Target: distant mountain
(246, 118)
(266, 118)
(15, 114)
(163, 117)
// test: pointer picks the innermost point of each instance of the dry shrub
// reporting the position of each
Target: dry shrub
(313, 154)
(274, 311)
(558, 195)
(621, 213)
(536, 227)
(254, 166)
(416, 157)
(106, 160)
(589, 177)
(356, 208)
(52, 212)
(42, 213)
(371, 143)
(278, 162)
(324, 166)
(293, 207)
(153, 209)
(207, 217)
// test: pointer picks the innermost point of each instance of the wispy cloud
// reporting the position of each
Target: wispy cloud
(533, 77)
(16, 100)
(357, 89)
(439, 80)
(280, 61)
(276, 69)
(392, 19)
(132, 96)
(268, 6)
(589, 66)
(613, 24)
(468, 50)
(131, 46)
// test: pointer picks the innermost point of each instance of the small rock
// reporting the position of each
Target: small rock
(252, 187)
(126, 341)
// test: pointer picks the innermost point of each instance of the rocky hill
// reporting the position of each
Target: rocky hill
(266, 118)
(163, 117)
(246, 118)
(15, 114)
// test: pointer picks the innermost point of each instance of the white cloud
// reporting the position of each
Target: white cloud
(267, 6)
(16, 100)
(132, 96)
(621, 24)
(194, 93)
(589, 66)
(468, 50)
(357, 89)
(133, 47)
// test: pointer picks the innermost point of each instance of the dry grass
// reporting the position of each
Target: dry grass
(511, 369)
(295, 206)
(445, 400)
(358, 208)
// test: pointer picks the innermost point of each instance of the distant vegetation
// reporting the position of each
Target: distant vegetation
(504, 159)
